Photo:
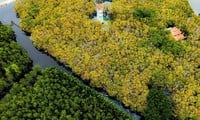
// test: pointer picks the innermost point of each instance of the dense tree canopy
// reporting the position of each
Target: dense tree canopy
(52, 94)
(128, 53)
(47, 94)
(14, 61)
(6, 33)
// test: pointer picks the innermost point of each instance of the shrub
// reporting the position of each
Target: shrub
(159, 106)
(143, 13)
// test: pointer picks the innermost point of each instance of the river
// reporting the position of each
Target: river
(7, 15)
(195, 4)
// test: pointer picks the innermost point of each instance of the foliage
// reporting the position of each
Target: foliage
(111, 55)
(170, 23)
(14, 61)
(162, 41)
(176, 48)
(143, 13)
(158, 39)
(52, 94)
(48, 94)
(6, 33)
(159, 106)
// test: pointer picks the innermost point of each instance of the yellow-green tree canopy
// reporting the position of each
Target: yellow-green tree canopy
(127, 56)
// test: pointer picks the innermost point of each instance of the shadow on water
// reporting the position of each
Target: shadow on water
(8, 16)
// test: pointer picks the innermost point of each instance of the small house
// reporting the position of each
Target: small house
(99, 8)
(102, 12)
(177, 34)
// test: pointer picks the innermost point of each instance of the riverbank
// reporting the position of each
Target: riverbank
(45, 56)
(113, 81)
(41, 58)
(115, 60)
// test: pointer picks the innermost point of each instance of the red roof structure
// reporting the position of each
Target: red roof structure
(177, 34)
(99, 6)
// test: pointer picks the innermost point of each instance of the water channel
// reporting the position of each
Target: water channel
(7, 15)
(195, 5)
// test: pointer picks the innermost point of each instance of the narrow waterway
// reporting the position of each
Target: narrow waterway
(7, 15)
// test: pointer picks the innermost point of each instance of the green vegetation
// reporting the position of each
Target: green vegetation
(160, 40)
(159, 106)
(124, 56)
(6, 33)
(14, 61)
(52, 94)
(142, 13)
(45, 94)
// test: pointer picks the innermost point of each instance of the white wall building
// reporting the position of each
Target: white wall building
(99, 8)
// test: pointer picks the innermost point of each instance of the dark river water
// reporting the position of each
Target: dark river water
(7, 15)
